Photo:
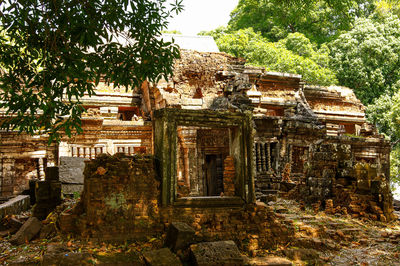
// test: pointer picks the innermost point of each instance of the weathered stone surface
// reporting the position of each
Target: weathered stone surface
(48, 230)
(161, 257)
(216, 253)
(67, 222)
(71, 188)
(179, 236)
(71, 170)
(269, 261)
(27, 231)
(124, 187)
(15, 205)
(52, 174)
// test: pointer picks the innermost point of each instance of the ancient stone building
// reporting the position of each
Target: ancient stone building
(221, 128)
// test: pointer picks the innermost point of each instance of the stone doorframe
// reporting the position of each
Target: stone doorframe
(165, 125)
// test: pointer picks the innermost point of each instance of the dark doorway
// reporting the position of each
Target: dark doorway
(214, 169)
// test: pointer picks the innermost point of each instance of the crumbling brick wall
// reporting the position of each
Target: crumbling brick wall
(25, 170)
(120, 197)
(336, 171)
(121, 201)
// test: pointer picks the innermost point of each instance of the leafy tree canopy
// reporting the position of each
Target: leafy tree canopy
(385, 114)
(294, 54)
(53, 52)
(367, 58)
(319, 20)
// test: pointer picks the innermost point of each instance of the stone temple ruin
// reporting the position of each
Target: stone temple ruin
(223, 135)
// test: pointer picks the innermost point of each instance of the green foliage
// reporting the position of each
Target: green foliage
(56, 51)
(395, 165)
(172, 32)
(294, 54)
(217, 33)
(385, 7)
(367, 58)
(320, 21)
(298, 44)
(385, 114)
(77, 195)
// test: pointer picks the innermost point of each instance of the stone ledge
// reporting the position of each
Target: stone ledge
(15, 205)
(207, 202)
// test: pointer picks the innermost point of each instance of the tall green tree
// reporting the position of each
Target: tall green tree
(294, 54)
(385, 114)
(53, 52)
(319, 20)
(367, 58)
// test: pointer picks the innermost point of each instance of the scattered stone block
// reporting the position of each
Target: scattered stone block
(48, 194)
(179, 236)
(71, 170)
(161, 257)
(48, 231)
(27, 231)
(216, 253)
(52, 174)
(67, 222)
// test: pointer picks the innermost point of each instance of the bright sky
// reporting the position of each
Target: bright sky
(201, 15)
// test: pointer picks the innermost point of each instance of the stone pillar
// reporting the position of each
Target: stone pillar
(8, 176)
(1, 175)
(48, 194)
(41, 169)
(268, 152)
(263, 159)
(195, 186)
(186, 167)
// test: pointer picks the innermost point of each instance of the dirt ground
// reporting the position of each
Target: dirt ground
(319, 239)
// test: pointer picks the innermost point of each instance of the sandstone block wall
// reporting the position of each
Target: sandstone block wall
(121, 200)
(120, 197)
(358, 185)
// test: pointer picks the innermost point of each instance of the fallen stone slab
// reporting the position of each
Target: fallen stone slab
(161, 257)
(216, 253)
(269, 261)
(179, 236)
(27, 231)
(15, 205)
